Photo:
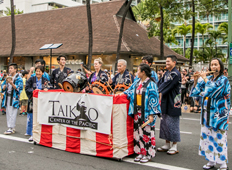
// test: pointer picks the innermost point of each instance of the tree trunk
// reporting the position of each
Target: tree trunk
(184, 44)
(215, 47)
(161, 33)
(193, 33)
(90, 33)
(121, 32)
(203, 42)
(13, 33)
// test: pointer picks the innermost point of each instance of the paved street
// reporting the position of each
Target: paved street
(18, 154)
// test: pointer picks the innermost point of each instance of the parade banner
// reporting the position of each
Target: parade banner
(76, 110)
(117, 144)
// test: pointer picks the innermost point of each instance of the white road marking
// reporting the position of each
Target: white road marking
(190, 119)
(129, 160)
(189, 133)
(196, 119)
(155, 165)
(14, 138)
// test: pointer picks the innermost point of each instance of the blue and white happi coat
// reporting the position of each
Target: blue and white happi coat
(151, 105)
(218, 91)
(16, 92)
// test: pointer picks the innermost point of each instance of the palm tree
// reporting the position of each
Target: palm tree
(183, 30)
(193, 32)
(223, 27)
(168, 37)
(209, 54)
(139, 11)
(126, 9)
(90, 33)
(214, 35)
(13, 32)
(203, 29)
(7, 12)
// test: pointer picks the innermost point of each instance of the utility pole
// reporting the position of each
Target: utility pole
(229, 44)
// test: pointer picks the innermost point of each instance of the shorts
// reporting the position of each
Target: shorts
(24, 102)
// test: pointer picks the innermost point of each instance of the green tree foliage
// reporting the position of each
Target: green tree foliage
(7, 12)
(208, 54)
(184, 12)
(203, 29)
(223, 27)
(183, 30)
(214, 35)
(159, 14)
(211, 7)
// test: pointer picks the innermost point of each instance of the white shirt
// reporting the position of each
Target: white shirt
(9, 86)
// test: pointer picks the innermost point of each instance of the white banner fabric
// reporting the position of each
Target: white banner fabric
(76, 110)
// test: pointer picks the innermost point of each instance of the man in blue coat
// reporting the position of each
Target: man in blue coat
(169, 89)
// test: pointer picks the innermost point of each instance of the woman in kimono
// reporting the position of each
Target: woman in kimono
(215, 93)
(33, 83)
(98, 75)
(144, 106)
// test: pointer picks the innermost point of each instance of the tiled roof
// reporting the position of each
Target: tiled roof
(69, 26)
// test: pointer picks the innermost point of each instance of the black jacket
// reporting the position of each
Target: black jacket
(31, 85)
(102, 76)
(55, 77)
(169, 85)
(127, 79)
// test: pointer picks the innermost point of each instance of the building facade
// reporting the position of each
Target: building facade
(215, 21)
(28, 6)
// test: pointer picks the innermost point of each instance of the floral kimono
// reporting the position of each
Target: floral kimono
(141, 108)
(214, 117)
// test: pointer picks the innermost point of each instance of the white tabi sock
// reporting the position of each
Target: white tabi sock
(174, 147)
(210, 163)
(166, 146)
(224, 165)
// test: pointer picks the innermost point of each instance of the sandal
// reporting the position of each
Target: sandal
(145, 159)
(172, 152)
(223, 168)
(208, 166)
(138, 158)
(162, 150)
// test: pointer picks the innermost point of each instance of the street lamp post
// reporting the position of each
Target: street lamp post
(229, 44)
(51, 46)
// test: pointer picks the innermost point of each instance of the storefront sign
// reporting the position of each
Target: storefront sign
(76, 110)
(74, 62)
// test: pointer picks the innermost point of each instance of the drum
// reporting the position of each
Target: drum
(120, 88)
(75, 82)
(99, 87)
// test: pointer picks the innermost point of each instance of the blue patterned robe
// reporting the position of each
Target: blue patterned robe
(16, 93)
(153, 75)
(152, 106)
(218, 93)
